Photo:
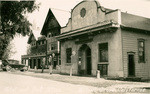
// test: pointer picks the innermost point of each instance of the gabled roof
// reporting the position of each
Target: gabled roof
(60, 16)
(34, 34)
(30, 37)
(134, 21)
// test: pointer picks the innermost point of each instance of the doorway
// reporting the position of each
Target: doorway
(88, 61)
(34, 63)
(84, 64)
(39, 64)
(30, 63)
(131, 65)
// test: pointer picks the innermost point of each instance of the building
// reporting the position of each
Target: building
(36, 51)
(44, 44)
(51, 28)
(111, 41)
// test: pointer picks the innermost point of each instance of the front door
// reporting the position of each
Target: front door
(34, 63)
(88, 61)
(31, 63)
(84, 64)
(131, 65)
(39, 63)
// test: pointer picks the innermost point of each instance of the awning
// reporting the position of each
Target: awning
(88, 29)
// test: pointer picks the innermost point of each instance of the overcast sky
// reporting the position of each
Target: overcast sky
(137, 7)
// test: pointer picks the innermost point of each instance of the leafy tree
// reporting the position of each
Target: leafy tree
(13, 20)
(9, 51)
(28, 49)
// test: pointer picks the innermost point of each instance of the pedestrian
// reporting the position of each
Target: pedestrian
(43, 65)
(50, 64)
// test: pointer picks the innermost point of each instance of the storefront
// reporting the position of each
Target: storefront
(97, 38)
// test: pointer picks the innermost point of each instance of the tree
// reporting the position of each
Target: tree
(9, 51)
(28, 49)
(13, 20)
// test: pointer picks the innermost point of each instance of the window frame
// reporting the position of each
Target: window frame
(53, 46)
(68, 60)
(99, 52)
(138, 43)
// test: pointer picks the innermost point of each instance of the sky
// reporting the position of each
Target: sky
(137, 7)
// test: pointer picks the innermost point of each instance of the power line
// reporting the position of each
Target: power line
(60, 10)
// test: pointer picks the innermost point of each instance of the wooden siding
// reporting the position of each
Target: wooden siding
(130, 44)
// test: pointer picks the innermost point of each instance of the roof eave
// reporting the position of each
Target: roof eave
(84, 31)
(132, 28)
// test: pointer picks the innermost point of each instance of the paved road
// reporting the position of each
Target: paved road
(19, 84)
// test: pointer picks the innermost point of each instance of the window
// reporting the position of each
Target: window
(68, 55)
(49, 35)
(39, 43)
(82, 12)
(33, 43)
(103, 52)
(43, 42)
(53, 46)
(141, 50)
(59, 59)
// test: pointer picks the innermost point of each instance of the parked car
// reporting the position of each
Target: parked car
(7, 66)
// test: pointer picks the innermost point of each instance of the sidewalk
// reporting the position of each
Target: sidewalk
(38, 70)
(45, 71)
(92, 81)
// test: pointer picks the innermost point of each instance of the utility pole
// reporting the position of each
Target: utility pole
(46, 52)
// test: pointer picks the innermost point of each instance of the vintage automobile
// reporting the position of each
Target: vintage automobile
(7, 66)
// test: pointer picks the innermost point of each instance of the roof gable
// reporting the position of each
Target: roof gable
(31, 38)
(50, 22)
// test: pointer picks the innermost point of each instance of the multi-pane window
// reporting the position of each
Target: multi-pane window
(141, 50)
(41, 42)
(68, 55)
(59, 59)
(33, 43)
(103, 52)
(53, 46)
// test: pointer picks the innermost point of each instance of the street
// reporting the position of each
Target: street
(42, 83)
(18, 84)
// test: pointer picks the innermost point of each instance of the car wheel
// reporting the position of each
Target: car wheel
(25, 68)
(4, 69)
(8, 68)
